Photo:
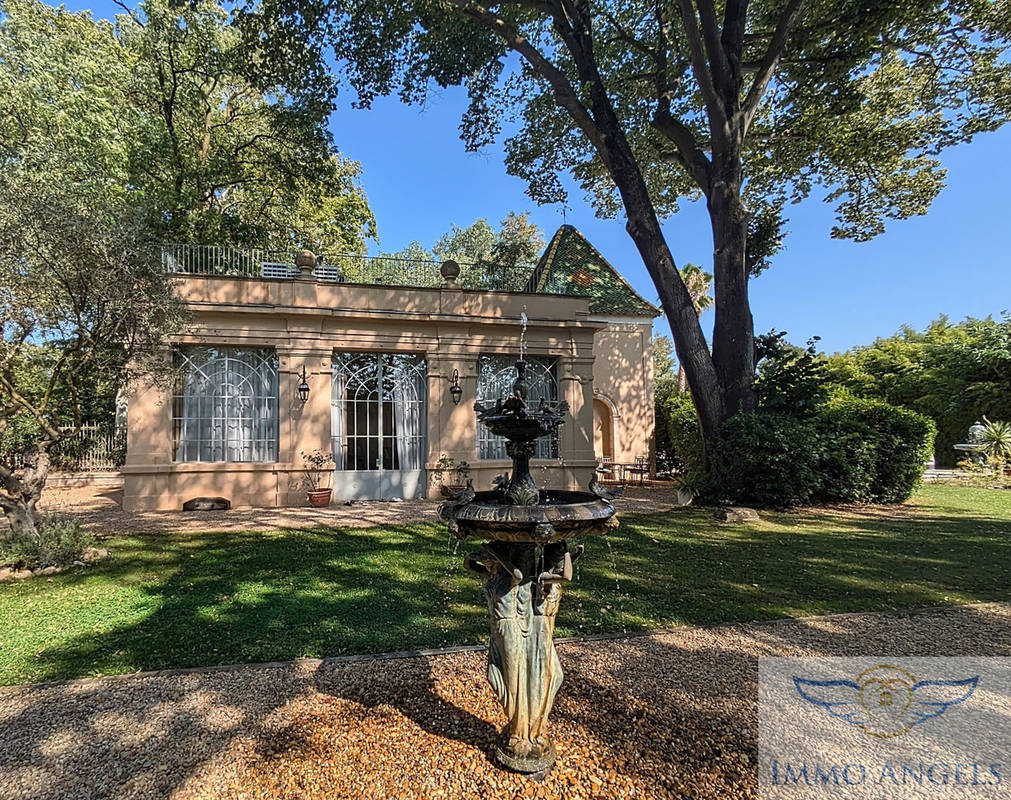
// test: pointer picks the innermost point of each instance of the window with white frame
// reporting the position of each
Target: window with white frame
(225, 404)
(495, 377)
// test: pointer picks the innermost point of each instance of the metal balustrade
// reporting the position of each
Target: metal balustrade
(200, 259)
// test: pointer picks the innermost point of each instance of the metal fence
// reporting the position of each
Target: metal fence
(93, 448)
(200, 259)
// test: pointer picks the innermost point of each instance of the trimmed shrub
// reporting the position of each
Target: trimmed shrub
(870, 450)
(848, 461)
(62, 541)
(683, 436)
(765, 459)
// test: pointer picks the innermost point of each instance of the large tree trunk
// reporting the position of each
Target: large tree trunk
(20, 495)
(733, 332)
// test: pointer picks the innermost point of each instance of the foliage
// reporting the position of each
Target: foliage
(504, 258)
(83, 295)
(319, 465)
(766, 459)
(995, 440)
(871, 451)
(680, 446)
(161, 106)
(953, 373)
(749, 105)
(200, 598)
(790, 379)
(459, 469)
(60, 543)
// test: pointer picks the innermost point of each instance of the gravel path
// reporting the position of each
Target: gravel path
(667, 715)
(99, 510)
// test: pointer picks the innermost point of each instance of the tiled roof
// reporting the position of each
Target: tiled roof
(571, 265)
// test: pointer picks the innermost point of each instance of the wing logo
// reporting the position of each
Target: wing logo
(886, 701)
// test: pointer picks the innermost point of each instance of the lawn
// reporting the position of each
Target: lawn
(202, 599)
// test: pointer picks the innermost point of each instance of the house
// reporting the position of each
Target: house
(379, 347)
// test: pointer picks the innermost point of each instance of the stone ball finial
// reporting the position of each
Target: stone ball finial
(305, 261)
(450, 271)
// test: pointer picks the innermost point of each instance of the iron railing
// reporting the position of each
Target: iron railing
(92, 448)
(201, 259)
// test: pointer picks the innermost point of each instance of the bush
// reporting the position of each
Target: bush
(765, 459)
(682, 437)
(870, 450)
(62, 542)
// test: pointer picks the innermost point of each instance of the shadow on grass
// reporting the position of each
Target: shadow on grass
(226, 598)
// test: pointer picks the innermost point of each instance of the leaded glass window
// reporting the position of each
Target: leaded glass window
(495, 376)
(225, 404)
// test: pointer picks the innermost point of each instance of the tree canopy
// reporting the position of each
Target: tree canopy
(747, 105)
(954, 373)
(161, 105)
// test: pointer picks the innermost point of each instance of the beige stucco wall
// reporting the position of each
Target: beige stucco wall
(623, 383)
(306, 322)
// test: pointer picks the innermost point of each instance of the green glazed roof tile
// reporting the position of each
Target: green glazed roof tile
(571, 265)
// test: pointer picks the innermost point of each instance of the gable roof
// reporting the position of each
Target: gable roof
(571, 265)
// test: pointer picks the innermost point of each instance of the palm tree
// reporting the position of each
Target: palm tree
(698, 282)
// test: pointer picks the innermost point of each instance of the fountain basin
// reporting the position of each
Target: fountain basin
(558, 516)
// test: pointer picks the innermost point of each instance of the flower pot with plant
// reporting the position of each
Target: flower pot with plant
(319, 467)
(456, 472)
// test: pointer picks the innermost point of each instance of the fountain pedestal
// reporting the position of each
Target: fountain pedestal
(525, 560)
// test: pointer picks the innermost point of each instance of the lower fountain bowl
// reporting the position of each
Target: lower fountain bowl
(558, 516)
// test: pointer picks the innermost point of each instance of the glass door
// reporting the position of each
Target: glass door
(378, 425)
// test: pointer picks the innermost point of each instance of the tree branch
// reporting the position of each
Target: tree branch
(565, 95)
(700, 65)
(769, 62)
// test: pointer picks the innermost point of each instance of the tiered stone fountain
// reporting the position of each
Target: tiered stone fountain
(525, 559)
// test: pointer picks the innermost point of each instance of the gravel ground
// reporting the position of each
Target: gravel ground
(99, 510)
(667, 715)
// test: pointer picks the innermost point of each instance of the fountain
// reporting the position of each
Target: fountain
(525, 559)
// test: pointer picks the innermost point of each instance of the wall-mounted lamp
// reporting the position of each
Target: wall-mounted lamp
(454, 388)
(303, 387)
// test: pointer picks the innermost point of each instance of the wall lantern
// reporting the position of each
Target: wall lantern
(454, 387)
(303, 387)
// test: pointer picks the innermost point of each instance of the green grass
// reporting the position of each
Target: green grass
(189, 600)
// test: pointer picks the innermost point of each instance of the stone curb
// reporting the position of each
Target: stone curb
(473, 648)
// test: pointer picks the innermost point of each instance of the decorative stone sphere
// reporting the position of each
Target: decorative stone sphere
(450, 270)
(305, 260)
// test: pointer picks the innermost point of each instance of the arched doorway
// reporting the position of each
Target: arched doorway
(603, 429)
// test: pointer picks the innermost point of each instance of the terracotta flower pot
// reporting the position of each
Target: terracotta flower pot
(319, 498)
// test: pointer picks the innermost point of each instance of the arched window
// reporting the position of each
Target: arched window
(495, 378)
(225, 404)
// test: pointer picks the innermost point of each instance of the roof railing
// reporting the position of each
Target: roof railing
(203, 259)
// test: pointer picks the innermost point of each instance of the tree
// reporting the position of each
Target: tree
(698, 282)
(953, 373)
(503, 259)
(161, 105)
(746, 105)
(82, 293)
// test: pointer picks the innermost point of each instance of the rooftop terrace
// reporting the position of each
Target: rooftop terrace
(570, 265)
(199, 259)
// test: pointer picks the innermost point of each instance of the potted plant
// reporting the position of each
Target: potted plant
(459, 471)
(317, 488)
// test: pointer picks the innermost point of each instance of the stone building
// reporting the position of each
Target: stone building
(383, 346)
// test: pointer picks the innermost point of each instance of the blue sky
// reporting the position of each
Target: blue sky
(955, 260)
